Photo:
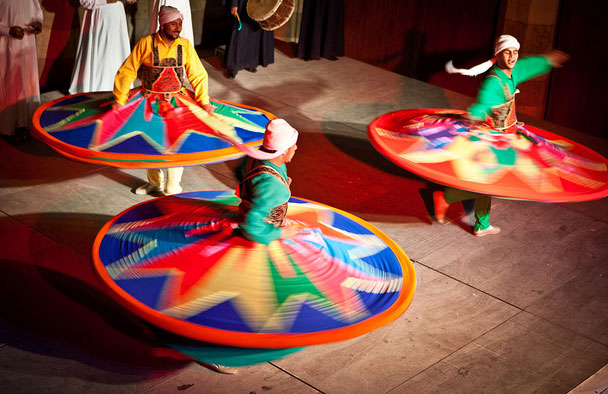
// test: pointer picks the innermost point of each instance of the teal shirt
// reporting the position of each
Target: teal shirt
(267, 192)
(491, 92)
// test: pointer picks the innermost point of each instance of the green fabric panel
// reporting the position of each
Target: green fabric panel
(294, 285)
(231, 356)
(505, 156)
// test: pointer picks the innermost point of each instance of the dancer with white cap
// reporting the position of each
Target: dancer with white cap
(163, 57)
(496, 105)
(264, 190)
(496, 98)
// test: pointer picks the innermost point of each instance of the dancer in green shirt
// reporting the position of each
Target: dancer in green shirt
(264, 190)
(496, 105)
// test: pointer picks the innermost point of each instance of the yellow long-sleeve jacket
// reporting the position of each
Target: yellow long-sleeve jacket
(142, 54)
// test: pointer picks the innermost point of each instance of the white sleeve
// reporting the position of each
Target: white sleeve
(5, 25)
(4, 29)
(38, 11)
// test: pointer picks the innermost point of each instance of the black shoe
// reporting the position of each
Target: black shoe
(332, 58)
(252, 69)
(231, 74)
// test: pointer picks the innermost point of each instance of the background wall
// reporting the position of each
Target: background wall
(416, 39)
(577, 93)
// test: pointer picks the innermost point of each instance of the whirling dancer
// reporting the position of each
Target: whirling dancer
(496, 105)
(159, 125)
(161, 59)
(253, 272)
(264, 190)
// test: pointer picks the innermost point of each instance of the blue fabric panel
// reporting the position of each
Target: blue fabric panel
(248, 135)
(49, 118)
(222, 316)
(146, 290)
(135, 144)
(195, 141)
(257, 118)
(307, 315)
(80, 136)
(377, 304)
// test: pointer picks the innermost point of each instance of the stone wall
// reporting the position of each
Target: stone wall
(533, 23)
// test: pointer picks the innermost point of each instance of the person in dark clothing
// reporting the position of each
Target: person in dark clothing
(248, 47)
(322, 30)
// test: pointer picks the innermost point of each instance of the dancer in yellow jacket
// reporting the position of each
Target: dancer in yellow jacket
(160, 60)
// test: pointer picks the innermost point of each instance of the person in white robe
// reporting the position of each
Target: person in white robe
(102, 48)
(20, 21)
(184, 7)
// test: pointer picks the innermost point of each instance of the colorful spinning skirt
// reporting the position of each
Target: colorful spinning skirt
(147, 132)
(177, 262)
(527, 163)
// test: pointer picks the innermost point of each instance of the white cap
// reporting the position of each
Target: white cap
(503, 42)
(278, 138)
(168, 14)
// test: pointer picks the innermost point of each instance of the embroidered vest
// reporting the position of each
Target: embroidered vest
(503, 116)
(277, 215)
(164, 76)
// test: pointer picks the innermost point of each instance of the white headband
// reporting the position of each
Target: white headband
(168, 14)
(505, 41)
(278, 138)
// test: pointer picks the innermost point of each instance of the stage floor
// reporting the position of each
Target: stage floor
(524, 311)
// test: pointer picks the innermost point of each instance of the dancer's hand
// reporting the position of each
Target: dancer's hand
(473, 119)
(289, 231)
(116, 106)
(16, 32)
(234, 10)
(34, 28)
(557, 58)
(209, 108)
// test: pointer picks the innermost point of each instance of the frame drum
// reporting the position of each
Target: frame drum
(270, 14)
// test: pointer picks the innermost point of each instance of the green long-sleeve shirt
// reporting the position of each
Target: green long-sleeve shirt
(265, 193)
(491, 92)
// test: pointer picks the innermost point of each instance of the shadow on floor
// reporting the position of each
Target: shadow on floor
(75, 321)
(43, 164)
